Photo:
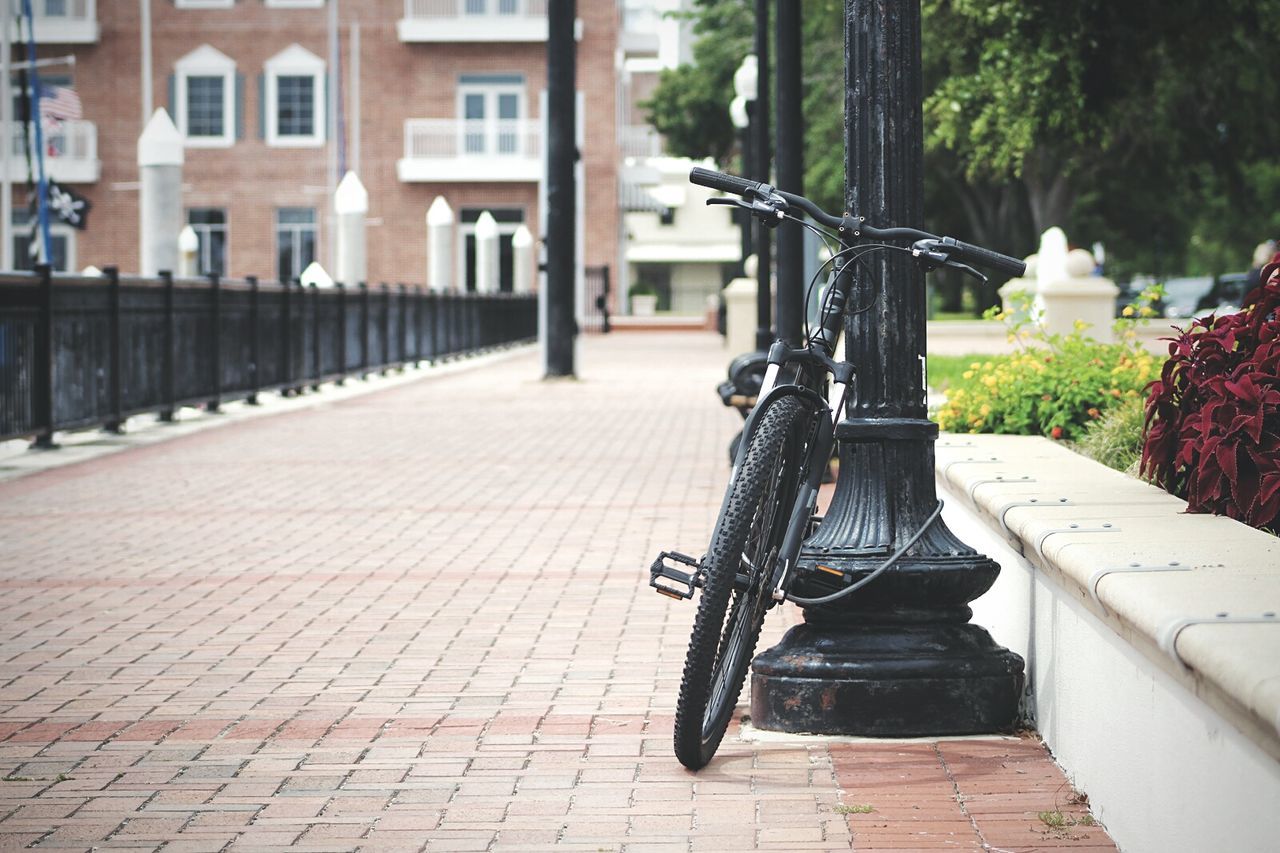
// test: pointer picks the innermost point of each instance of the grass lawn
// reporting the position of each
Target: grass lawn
(943, 370)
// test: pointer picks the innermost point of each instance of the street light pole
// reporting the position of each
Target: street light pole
(763, 161)
(898, 658)
(790, 300)
(740, 116)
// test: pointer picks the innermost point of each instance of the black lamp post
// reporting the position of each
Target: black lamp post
(898, 657)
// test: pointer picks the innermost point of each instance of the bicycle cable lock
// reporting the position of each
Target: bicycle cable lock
(881, 569)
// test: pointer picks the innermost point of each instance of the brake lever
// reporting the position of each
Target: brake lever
(766, 213)
(967, 270)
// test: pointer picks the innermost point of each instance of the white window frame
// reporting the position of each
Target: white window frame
(295, 61)
(206, 61)
(57, 230)
(206, 229)
(204, 4)
(294, 4)
(492, 128)
(296, 230)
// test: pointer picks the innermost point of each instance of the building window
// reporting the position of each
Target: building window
(491, 110)
(294, 98)
(508, 220)
(26, 235)
(210, 225)
(294, 4)
(205, 91)
(295, 241)
(205, 4)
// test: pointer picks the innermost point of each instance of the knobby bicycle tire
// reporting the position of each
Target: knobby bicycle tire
(745, 541)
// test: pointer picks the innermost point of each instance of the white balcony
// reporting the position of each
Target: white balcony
(70, 154)
(639, 141)
(62, 22)
(453, 150)
(473, 21)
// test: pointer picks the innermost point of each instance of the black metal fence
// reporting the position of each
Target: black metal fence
(80, 351)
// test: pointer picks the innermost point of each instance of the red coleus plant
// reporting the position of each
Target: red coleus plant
(1213, 417)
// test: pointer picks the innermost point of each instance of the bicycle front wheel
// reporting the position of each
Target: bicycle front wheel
(737, 572)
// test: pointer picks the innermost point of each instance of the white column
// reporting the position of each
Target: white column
(188, 245)
(350, 206)
(439, 245)
(160, 158)
(522, 260)
(486, 254)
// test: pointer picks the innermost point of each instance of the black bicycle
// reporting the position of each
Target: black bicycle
(768, 510)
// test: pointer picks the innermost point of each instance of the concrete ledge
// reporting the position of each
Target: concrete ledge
(1114, 595)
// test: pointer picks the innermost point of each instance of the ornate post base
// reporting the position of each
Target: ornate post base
(897, 657)
(886, 681)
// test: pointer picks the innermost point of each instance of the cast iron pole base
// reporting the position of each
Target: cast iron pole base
(887, 681)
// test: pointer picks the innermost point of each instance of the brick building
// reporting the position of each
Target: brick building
(430, 98)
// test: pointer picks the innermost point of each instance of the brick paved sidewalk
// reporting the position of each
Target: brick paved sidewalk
(419, 618)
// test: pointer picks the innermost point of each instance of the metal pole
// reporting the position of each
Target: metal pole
(897, 658)
(42, 185)
(790, 133)
(763, 160)
(6, 141)
(561, 325)
(353, 96)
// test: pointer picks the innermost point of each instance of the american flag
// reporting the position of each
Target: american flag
(58, 103)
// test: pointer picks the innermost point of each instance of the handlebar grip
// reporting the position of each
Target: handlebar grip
(986, 258)
(721, 181)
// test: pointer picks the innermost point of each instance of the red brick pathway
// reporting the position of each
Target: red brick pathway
(419, 619)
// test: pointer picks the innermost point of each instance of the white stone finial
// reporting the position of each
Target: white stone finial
(187, 240)
(160, 143)
(487, 253)
(315, 274)
(1051, 265)
(351, 196)
(439, 213)
(522, 260)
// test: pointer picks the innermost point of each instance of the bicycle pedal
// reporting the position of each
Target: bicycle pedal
(672, 582)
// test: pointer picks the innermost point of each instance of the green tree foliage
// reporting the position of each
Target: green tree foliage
(1151, 125)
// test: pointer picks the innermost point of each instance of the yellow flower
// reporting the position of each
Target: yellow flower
(1128, 311)
(968, 374)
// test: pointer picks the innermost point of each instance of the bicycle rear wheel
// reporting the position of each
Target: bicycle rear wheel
(737, 574)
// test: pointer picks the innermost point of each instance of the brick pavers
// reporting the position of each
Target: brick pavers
(419, 619)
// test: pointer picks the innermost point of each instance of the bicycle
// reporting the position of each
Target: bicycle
(750, 565)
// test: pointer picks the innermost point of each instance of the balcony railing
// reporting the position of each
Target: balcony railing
(63, 22)
(471, 150)
(70, 152)
(473, 21)
(639, 141)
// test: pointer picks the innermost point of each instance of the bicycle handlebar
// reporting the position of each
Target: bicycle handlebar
(756, 191)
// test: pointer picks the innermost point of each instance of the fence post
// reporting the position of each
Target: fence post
(44, 361)
(342, 332)
(417, 326)
(386, 328)
(364, 330)
(215, 348)
(315, 336)
(169, 367)
(116, 422)
(255, 340)
(404, 325)
(604, 303)
(286, 341)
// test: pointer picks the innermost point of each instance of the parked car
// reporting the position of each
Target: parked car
(1184, 296)
(1228, 293)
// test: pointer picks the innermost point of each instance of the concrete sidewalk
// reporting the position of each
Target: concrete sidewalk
(419, 619)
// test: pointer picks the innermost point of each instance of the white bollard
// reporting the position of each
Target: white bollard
(440, 246)
(350, 206)
(160, 158)
(486, 253)
(522, 260)
(188, 245)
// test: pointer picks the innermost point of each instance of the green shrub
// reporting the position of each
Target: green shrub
(1052, 385)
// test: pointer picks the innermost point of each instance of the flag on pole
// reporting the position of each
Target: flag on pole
(59, 103)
